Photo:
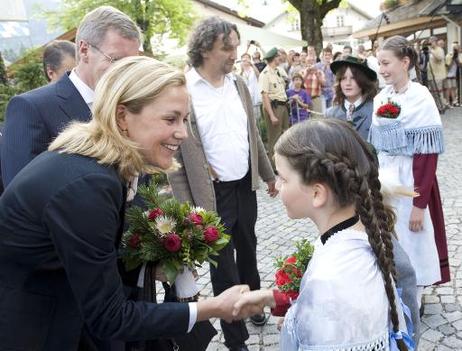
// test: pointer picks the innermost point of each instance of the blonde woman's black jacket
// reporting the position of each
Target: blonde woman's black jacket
(61, 220)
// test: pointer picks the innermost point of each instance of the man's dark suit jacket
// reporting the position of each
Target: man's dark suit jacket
(60, 222)
(34, 119)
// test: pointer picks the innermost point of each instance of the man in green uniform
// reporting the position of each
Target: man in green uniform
(273, 90)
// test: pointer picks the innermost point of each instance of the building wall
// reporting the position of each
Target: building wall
(453, 34)
(207, 11)
(341, 22)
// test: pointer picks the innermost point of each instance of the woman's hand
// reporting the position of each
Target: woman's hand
(221, 306)
(416, 219)
(160, 274)
(253, 302)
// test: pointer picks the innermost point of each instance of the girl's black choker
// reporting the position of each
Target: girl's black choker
(338, 227)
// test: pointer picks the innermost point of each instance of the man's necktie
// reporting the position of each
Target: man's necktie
(349, 115)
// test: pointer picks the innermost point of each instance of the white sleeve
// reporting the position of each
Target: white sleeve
(192, 315)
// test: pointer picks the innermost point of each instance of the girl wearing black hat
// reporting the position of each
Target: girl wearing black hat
(355, 88)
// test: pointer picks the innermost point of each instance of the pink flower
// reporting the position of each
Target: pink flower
(155, 213)
(291, 260)
(172, 242)
(134, 241)
(211, 235)
(195, 218)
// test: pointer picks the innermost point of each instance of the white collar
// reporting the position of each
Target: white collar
(193, 77)
(358, 102)
(87, 93)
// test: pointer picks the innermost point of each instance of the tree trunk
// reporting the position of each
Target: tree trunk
(312, 13)
(142, 12)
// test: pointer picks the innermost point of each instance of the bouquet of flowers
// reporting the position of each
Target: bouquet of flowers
(291, 268)
(389, 110)
(177, 236)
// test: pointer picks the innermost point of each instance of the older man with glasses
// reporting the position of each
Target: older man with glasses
(35, 118)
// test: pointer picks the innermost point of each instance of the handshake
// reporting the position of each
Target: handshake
(235, 303)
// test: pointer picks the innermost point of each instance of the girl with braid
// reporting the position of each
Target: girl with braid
(408, 145)
(347, 299)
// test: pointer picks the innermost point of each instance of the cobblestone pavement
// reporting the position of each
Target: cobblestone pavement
(442, 321)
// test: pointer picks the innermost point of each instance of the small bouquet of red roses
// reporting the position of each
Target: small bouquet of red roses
(291, 268)
(389, 110)
(173, 234)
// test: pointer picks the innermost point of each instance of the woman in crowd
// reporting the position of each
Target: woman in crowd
(61, 220)
(355, 88)
(407, 132)
(347, 295)
(250, 74)
(453, 62)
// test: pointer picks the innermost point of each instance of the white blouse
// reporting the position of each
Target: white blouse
(342, 303)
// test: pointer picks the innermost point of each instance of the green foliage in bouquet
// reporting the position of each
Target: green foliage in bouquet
(291, 268)
(171, 233)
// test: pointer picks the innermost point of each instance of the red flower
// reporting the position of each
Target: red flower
(155, 213)
(172, 242)
(134, 241)
(211, 235)
(282, 277)
(291, 259)
(389, 110)
(195, 218)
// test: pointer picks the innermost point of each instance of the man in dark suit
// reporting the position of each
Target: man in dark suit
(1, 141)
(35, 118)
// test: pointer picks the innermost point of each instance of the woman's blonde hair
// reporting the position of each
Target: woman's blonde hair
(133, 82)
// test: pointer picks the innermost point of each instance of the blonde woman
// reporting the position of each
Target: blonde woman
(62, 215)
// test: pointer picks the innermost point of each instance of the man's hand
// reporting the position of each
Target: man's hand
(416, 219)
(272, 191)
(274, 120)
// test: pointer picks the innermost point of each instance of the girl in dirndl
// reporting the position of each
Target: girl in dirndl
(408, 142)
(347, 299)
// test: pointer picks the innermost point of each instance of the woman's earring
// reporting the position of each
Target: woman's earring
(124, 131)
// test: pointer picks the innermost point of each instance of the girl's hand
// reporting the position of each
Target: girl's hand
(279, 323)
(416, 219)
(253, 302)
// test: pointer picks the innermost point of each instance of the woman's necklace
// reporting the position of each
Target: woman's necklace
(339, 227)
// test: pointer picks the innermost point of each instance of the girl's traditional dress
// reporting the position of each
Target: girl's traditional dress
(360, 118)
(342, 303)
(408, 148)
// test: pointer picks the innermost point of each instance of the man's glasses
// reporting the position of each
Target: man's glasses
(109, 58)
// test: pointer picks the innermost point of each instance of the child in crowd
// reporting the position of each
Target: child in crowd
(299, 100)
(355, 88)
(407, 132)
(347, 299)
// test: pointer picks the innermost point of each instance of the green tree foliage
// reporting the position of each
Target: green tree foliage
(3, 79)
(157, 19)
(312, 13)
(27, 74)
